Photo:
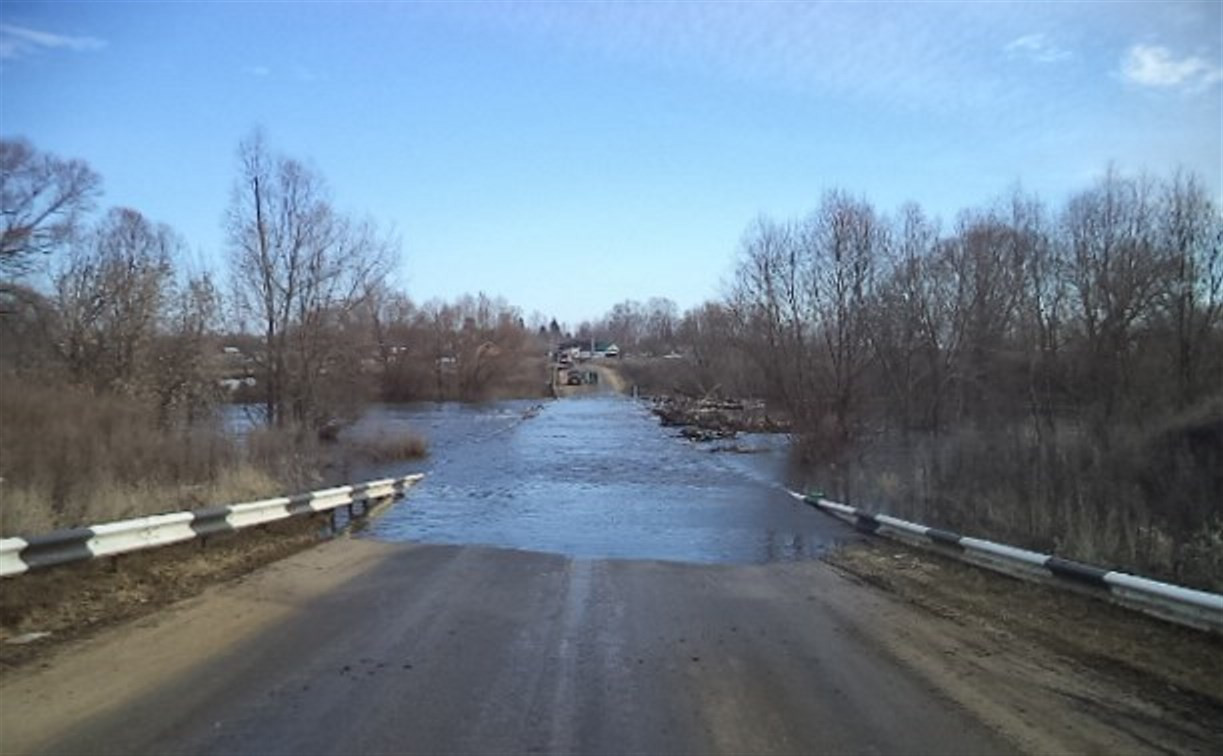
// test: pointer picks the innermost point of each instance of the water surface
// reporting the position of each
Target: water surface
(594, 477)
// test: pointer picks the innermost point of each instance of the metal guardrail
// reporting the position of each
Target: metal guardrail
(20, 555)
(1184, 606)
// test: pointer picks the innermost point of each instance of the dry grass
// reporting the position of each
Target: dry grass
(70, 458)
(29, 511)
(1148, 500)
(382, 449)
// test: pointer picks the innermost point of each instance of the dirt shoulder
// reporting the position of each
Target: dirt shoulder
(1050, 667)
(44, 609)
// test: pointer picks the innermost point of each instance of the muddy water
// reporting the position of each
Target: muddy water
(594, 477)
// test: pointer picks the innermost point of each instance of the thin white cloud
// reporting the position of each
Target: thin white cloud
(260, 71)
(306, 75)
(1156, 66)
(919, 55)
(19, 41)
(1037, 48)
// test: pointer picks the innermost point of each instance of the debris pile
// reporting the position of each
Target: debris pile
(713, 419)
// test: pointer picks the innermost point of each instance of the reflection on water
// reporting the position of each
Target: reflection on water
(593, 477)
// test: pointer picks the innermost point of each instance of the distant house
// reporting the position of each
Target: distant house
(584, 349)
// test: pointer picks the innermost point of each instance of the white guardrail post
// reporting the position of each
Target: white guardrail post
(1184, 606)
(20, 555)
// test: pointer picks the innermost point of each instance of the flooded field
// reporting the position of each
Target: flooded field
(593, 477)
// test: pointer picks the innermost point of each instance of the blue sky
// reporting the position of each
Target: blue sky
(568, 156)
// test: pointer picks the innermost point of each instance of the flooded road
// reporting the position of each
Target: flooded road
(595, 477)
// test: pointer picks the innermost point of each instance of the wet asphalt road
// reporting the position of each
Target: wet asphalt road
(451, 649)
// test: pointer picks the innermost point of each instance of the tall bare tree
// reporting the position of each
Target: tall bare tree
(901, 314)
(843, 241)
(765, 303)
(1192, 234)
(298, 268)
(1117, 272)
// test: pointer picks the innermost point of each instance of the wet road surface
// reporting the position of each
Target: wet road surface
(454, 649)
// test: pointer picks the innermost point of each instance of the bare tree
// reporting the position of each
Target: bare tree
(803, 292)
(901, 313)
(111, 296)
(298, 268)
(42, 198)
(843, 240)
(1192, 233)
(1115, 271)
(624, 324)
(661, 316)
(987, 268)
(764, 302)
(715, 348)
(185, 383)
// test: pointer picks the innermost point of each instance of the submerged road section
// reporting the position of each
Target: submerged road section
(597, 477)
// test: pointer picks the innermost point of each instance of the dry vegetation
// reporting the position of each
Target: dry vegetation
(69, 457)
(473, 349)
(384, 448)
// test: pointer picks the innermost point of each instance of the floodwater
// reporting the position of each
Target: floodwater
(593, 477)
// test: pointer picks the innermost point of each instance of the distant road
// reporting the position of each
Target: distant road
(438, 649)
(609, 379)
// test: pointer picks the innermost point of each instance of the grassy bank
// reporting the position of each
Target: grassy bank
(69, 457)
(1146, 499)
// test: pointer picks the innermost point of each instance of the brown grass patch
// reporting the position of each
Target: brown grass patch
(397, 448)
(70, 458)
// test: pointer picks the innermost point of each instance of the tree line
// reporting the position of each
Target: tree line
(1107, 308)
(302, 291)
